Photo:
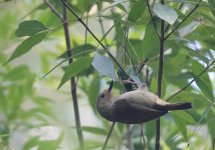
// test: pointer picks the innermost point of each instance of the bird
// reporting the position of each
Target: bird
(135, 107)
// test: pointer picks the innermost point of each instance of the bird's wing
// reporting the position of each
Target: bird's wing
(143, 98)
(129, 112)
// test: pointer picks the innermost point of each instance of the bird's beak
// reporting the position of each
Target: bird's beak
(110, 87)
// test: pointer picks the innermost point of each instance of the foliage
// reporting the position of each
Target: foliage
(131, 32)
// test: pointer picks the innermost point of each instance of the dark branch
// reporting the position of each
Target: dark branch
(160, 75)
(53, 9)
(72, 80)
(154, 23)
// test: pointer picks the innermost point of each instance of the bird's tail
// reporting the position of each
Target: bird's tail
(179, 106)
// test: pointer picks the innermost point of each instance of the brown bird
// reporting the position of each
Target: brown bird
(134, 107)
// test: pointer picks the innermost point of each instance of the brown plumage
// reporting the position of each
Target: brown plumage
(135, 107)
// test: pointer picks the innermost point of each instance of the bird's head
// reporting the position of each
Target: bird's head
(105, 96)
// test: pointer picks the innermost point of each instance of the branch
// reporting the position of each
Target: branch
(196, 6)
(143, 138)
(53, 9)
(150, 12)
(72, 80)
(108, 136)
(196, 77)
(160, 75)
(94, 36)
(129, 137)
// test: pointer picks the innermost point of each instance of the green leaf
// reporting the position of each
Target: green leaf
(80, 49)
(187, 29)
(165, 12)
(203, 81)
(120, 6)
(136, 11)
(29, 28)
(211, 123)
(93, 92)
(17, 73)
(48, 144)
(76, 67)
(66, 59)
(197, 54)
(212, 3)
(184, 115)
(181, 124)
(104, 66)
(27, 44)
(31, 143)
(114, 4)
(94, 130)
(149, 130)
(148, 49)
(121, 40)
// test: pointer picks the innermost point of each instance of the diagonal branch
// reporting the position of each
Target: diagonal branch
(196, 77)
(192, 11)
(154, 23)
(53, 9)
(94, 36)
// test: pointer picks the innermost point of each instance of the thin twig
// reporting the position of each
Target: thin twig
(213, 144)
(200, 121)
(126, 50)
(72, 81)
(129, 137)
(85, 36)
(94, 36)
(191, 12)
(154, 23)
(108, 136)
(142, 64)
(53, 9)
(143, 138)
(195, 78)
(160, 75)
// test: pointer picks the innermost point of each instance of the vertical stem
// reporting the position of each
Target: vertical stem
(108, 136)
(213, 144)
(72, 80)
(160, 74)
(129, 137)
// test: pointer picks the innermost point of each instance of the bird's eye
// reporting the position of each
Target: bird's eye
(102, 95)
